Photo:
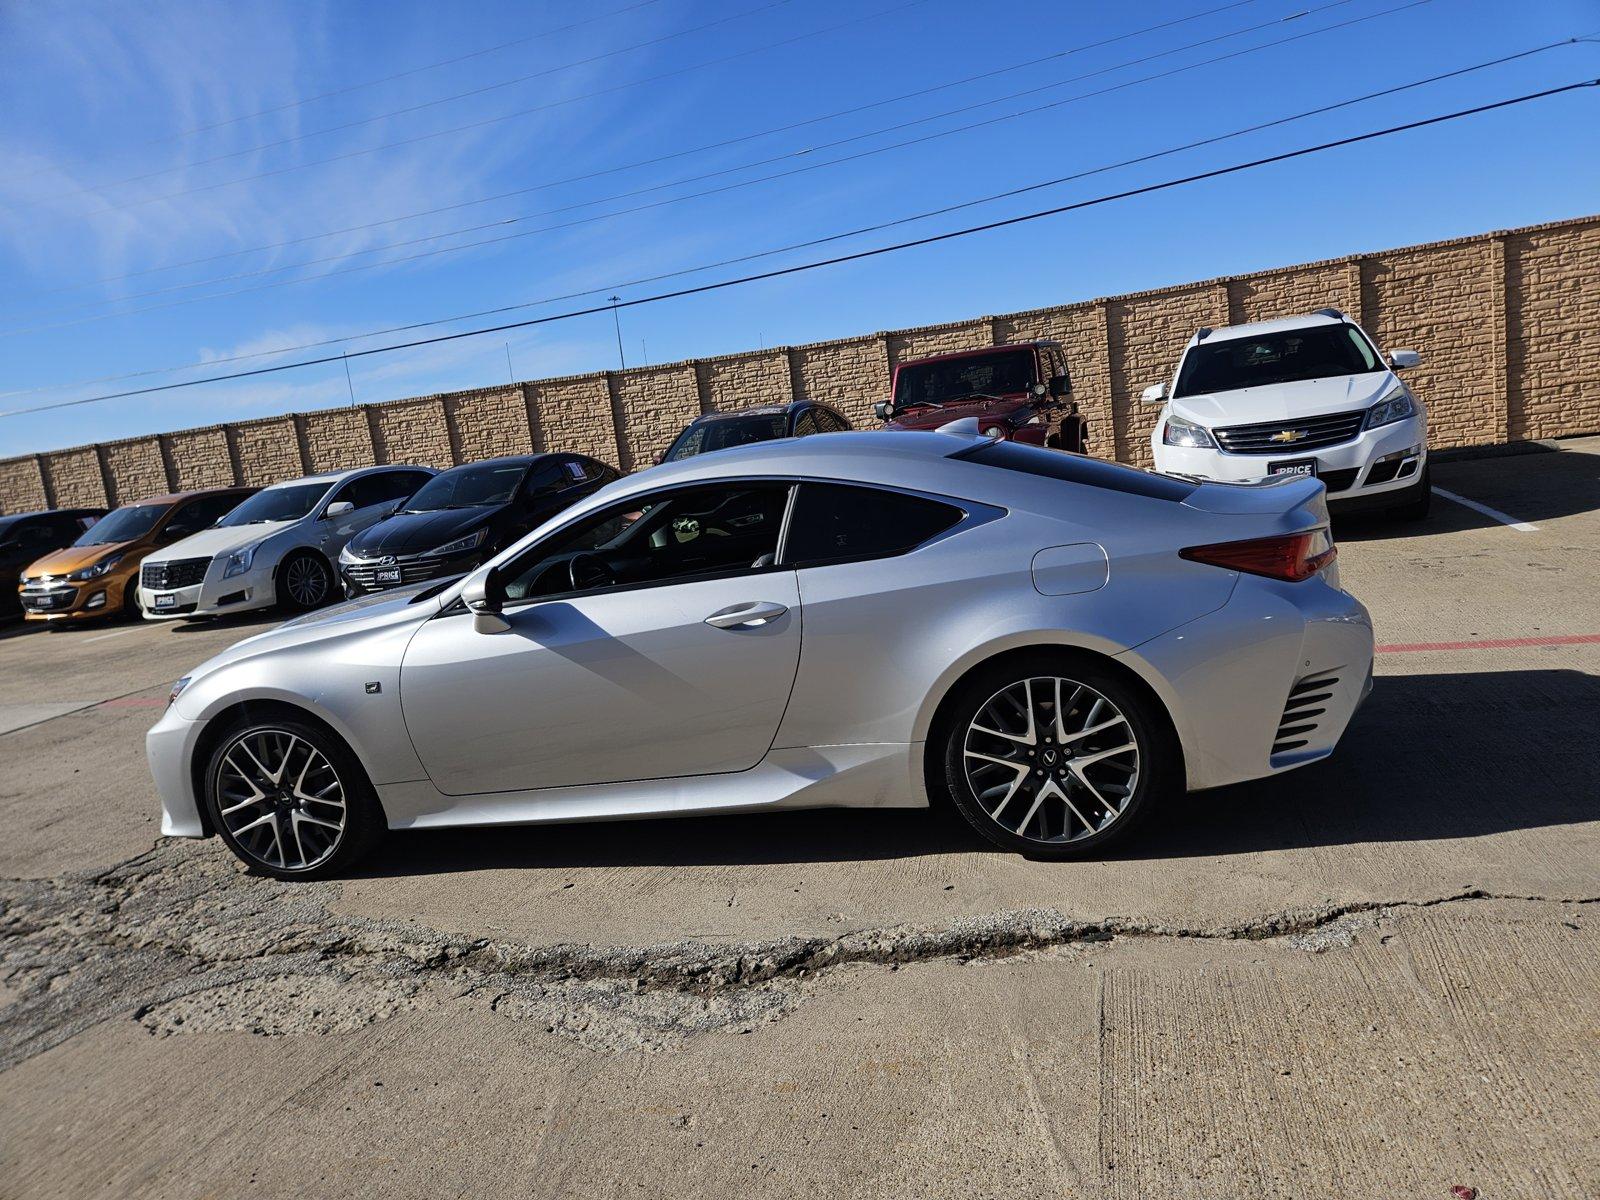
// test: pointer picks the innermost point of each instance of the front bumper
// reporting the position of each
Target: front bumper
(1266, 683)
(63, 600)
(213, 596)
(1356, 469)
(170, 747)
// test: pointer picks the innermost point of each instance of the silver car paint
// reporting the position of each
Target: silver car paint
(324, 535)
(881, 643)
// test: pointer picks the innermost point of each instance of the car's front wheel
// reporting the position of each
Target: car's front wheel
(1417, 499)
(304, 582)
(291, 800)
(1055, 756)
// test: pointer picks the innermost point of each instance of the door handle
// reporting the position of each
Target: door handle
(747, 616)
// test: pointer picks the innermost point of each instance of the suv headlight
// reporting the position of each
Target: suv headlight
(1178, 432)
(239, 561)
(96, 570)
(462, 544)
(1395, 406)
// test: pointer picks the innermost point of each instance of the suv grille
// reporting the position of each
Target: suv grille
(1315, 432)
(1300, 714)
(412, 570)
(179, 573)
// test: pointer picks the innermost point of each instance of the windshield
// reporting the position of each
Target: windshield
(1289, 356)
(724, 433)
(1008, 374)
(468, 487)
(123, 525)
(277, 504)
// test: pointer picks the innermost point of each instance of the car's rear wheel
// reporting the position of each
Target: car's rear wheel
(290, 800)
(1055, 756)
(304, 582)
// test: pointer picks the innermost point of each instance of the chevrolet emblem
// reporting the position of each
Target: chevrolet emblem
(1288, 435)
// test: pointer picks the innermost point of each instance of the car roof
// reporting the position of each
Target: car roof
(174, 497)
(505, 460)
(8, 518)
(976, 351)
(329, 478)
(755, 410)
(1277, 325)
(849, 454)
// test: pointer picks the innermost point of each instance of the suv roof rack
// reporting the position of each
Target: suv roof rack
(1330, 312)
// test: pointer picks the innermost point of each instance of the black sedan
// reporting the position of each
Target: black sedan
(764, 423)
(465, 515)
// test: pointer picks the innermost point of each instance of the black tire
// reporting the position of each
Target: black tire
(1083, 813)
(130, 601)
(288, 577)
(1418, 500)
(305, 849)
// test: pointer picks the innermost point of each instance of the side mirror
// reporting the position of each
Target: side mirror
(337, 509)
(881, 410)
(1156, 393)
(1060, 385)
(483, 596)
(1401, 359)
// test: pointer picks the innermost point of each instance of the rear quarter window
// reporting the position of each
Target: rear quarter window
(1076, 468)
(836, 522)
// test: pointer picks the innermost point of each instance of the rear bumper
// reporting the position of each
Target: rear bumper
(1232, 678)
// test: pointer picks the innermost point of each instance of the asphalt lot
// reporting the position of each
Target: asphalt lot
(1376, 976)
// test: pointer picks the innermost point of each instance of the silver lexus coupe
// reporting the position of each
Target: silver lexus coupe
(1048, 642)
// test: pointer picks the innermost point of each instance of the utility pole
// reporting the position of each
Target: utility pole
(348, 385)
(510, 374)
(617, 321)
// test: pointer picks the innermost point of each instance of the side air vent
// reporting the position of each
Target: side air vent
(1306, 700)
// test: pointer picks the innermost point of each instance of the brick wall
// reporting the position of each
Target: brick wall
(1505, 323)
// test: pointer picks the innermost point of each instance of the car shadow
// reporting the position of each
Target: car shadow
(1539, 483)
(1428, 757)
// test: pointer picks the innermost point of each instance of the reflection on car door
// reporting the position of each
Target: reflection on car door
(601, 688)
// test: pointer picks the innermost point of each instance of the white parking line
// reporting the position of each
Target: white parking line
(100, 637)
(1503, 518)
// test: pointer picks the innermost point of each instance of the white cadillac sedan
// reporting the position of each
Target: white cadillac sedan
(1048, 642)
(277, 548)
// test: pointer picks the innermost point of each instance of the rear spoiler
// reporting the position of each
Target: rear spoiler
(1261, 497)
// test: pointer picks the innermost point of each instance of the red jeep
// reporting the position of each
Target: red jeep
(1018, 392)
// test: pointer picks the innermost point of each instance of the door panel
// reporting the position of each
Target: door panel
(603, 688)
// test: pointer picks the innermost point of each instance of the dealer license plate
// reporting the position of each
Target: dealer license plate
(167, 601)
(388, 575)
(1294, 466)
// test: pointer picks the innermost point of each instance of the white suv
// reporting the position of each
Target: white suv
(1307, 395)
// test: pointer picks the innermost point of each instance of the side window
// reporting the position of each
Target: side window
(378, 489)
(669, 537)
(807, 424)
(197, 515)
(831, 421)
(35, 535)
(835, 522)
(545, 480)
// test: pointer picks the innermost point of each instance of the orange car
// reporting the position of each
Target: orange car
(99, 573)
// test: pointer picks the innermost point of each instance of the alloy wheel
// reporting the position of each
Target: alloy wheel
(283, 803)
(307, 581)
(1051, 760)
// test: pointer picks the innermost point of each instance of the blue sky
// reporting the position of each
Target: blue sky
(136, 137)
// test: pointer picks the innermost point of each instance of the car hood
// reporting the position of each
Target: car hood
(417, 533)
(209, 543)
(393, 607)
(1285, 401)
(932, 418)
(75, 558)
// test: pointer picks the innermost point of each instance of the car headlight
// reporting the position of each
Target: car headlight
(1178, 432)
(96, 570)
(462, 544)
(239, 561)
(1396, 406)
(994, 431)
(346, 555)
(177, 688)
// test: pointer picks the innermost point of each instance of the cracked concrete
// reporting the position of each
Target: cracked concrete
(1378, 976)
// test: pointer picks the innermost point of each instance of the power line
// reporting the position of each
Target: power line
(813, 242)
(846, 112)
(857, 256)
(537, 108)
(787, 156)
(356, 87)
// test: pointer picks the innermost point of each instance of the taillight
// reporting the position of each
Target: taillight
(1292, 557)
